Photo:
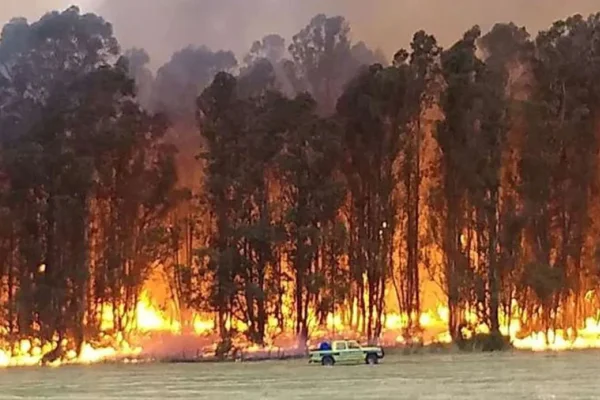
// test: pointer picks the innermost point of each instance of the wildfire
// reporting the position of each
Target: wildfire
(31, 353)
(150, 319)
(587, 338)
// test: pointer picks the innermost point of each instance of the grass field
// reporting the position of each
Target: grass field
(569, 375)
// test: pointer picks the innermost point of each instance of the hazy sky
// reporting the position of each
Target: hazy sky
(162, 26)
(33, 9)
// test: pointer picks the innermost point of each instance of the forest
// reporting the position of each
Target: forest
(314, 176)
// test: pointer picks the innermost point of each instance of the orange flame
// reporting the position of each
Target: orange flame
(151, 319)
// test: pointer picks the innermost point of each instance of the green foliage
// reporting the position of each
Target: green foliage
(486, 342)
(280, 143)
(88, 180)
(544, 280)
(326, 59)
(372, 110)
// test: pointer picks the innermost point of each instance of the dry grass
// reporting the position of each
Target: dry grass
(569, 375)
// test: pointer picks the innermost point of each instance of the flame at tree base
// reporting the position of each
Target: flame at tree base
(27, 353)
(160, 337)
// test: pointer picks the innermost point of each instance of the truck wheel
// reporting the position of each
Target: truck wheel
(328, 361)
(372, 359)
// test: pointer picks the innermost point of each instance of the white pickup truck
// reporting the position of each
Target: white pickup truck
(345, 352)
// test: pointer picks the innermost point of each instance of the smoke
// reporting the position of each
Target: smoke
(165, 26)
(34, 9)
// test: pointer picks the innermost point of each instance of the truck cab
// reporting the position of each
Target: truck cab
(345, 352)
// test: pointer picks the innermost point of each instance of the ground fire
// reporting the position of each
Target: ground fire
(152, 323)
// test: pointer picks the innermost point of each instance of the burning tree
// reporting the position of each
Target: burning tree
(87, 178)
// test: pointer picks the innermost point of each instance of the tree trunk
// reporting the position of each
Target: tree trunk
(11, 282)
(47, 299)
(299, 299)
(493, 277)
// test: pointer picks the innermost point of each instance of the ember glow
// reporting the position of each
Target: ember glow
(151, 320)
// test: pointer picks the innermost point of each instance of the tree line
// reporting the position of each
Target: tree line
(325, 178)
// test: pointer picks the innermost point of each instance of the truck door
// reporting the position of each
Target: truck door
(341, 351)
(355, 351)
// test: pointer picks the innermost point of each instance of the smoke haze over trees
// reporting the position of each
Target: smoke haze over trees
(163, 27)
(304, 176)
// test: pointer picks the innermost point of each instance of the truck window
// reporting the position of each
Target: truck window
(353, 346)
(340, 346)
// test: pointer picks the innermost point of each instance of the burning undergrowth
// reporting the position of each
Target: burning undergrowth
(159, 338)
